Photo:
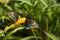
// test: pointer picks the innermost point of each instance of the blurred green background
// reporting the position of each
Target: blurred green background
(45, 12)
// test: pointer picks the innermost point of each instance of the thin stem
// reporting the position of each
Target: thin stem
(47, 38)
(33, 31)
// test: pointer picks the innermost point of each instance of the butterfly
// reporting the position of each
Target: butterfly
(29, 22)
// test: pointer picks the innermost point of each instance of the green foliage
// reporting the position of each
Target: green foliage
(45, 12)
(53, 37)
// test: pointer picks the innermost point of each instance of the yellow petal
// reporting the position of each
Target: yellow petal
(20, 20)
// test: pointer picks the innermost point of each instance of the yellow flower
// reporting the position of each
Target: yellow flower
(20, 20)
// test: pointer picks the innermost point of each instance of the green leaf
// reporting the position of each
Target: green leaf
(8, 7)
(24, 1)
(52, 36)
(30, 37)
(13, 31)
